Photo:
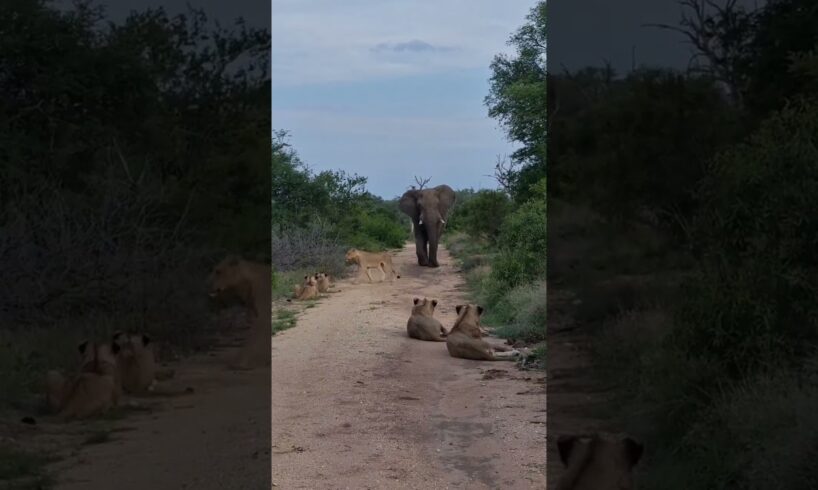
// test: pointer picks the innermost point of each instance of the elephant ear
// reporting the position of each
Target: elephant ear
(445, 199)
(408, 204)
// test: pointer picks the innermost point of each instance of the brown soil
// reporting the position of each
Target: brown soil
(211, 439)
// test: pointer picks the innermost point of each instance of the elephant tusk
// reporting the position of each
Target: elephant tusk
(420, 222)
(443, 221)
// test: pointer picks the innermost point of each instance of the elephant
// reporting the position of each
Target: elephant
(428, 209)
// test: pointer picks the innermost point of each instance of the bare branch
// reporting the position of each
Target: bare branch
(422, 182)
(717, 30)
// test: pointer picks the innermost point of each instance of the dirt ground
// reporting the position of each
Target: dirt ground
(356, 404)
(211, 439)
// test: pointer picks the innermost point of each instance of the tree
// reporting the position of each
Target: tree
(517, 98)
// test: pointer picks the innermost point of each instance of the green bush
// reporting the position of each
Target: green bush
(482, 215)
(521, 245)
(382, 231)
(717, 387)
(752, 301)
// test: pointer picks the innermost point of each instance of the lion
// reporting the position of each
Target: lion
(323, 282)
(421, 324)
(309, 290)
(596, 462)
(137, 367)
(298, 288)
(465, 338)
(252, 282)
(94, 390)
(136, 362)
(370, 260)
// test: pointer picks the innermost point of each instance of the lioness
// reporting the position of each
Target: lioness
(464, 339)
(251, 281)
(370, 260)
(93, 391)
(594, 462)
(422, 325)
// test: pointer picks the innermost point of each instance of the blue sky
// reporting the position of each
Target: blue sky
(390, 89)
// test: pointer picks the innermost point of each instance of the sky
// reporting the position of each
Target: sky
(392, 89)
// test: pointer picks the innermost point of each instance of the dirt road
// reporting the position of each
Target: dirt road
(214, 438)
(356, 404)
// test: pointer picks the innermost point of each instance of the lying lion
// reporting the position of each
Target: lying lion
(421, 324)
(93, 391)
(370, 260)
(306, 290)
(138, 370)
(250, 281)
(594, 462)
(135, 362)
(465, 338)
(323, 282)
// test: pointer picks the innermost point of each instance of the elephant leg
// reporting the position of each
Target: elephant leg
(420, 249)
(433, 254)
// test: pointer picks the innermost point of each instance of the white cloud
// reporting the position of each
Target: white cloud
(324, 41)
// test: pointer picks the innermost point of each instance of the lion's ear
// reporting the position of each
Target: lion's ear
(82, 346)
(145, 339)
(415, 301)
(233, 259)
(480, 310)
(115, 337)
(633, 450)
(115, 348)
(565, 444)
(434, 303)
(458, 308)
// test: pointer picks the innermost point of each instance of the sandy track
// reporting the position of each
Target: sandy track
(358, 405)
(212, 439)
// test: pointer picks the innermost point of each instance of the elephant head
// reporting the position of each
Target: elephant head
(428, 209)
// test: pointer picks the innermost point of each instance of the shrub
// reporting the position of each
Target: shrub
(752, 301)
(521, 246)
(521, 313)
(317, 246)
(483, 213)
(380, 231)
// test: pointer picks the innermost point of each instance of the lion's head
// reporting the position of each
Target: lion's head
(597, 462)
(424, 307)
(352, 255)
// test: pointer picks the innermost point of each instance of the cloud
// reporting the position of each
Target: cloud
(327, 41)
(413, 46)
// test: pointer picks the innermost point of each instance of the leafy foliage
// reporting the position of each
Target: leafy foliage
(517, 98)
(315, 216)
(480, 213)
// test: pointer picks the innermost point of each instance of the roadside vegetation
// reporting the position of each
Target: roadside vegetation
(317, 217)
(499, 236)
(682, 216)
(134, 156)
